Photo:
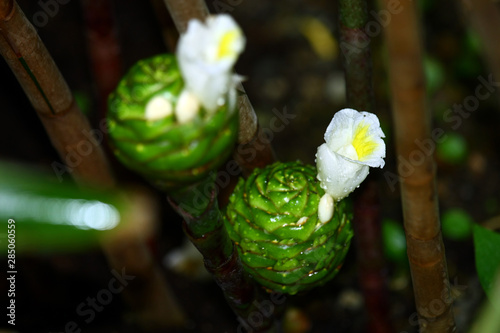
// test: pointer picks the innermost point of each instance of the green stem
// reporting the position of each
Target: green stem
(355, 46)
(204, 226)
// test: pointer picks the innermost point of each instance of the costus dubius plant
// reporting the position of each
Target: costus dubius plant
(291, 222)
(275, 228)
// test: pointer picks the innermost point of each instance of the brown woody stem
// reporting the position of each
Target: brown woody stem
(426, 251)
(51, 97)
(69, 130)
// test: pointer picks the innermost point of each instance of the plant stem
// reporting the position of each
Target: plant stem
(250, 137)
(104, 49)
(426, 251)
(204, 226)
(51, 97)
(371, 261)
(182, 11)
(70, 132)
(367, 223)
(355, 46)
(484, 17)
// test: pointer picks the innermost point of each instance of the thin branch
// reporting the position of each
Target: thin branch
(204, 227)
(355, 46)
(417, 172)
(104, 48)
(372, 269)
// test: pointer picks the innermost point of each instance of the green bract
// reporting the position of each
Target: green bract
(273, 219)
(166, 152)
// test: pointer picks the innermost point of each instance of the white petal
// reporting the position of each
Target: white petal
(206, 54)
(187, 107)
(158, 107)
(359, 130)
(338, 176)
(325, 208)
(339, 131)
(372, 144)
(229, 40)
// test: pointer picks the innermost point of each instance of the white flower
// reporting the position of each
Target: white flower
(353, 144)
(206, 54)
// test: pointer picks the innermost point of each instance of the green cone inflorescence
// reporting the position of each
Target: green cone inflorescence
(273, 219)
(168, 152)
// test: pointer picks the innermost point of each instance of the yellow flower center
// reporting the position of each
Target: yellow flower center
(226, 48)
(363, 143)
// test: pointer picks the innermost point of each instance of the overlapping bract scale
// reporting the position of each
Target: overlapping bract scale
(168, 153)
(272, 217)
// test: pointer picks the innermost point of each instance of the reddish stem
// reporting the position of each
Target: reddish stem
(104, 48)
(371, 262)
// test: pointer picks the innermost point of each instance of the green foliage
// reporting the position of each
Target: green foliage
(434, 74)
(394, 241)
(468, 63)
(453, 149)
(487, 248)
(456, 224)
(273, 219)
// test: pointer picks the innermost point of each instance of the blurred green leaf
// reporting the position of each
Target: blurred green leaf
(487, 248)
(394, 241)
(434, 74)
(453, 149)
(456, 224)
(53, 216)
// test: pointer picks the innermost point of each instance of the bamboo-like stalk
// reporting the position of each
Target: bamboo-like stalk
(250, 136)
(417, 172)
(51, 97)
(367, 223)
(72, 137)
